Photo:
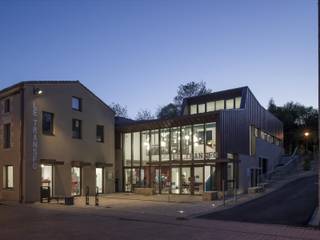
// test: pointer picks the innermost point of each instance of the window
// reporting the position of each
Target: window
(76, 128)
(230, 103)
(186, 142)
(175, 143)
(75, 181)
(210, 141)
(145, 141)
(8, 177)
(164, 144)
(220, 105)
(193, 109)
(7, 105)
(155, 145)
(76, 104)
(100, 133)
(136, 148)
(127, 149)
(47, 177)
(211, 106)
(201, 108)
(47, 123)
(238, 102)
(99, 180)
(198, 142)
(7, 135)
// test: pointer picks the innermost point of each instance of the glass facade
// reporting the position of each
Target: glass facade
(163, 159)
(75, 181)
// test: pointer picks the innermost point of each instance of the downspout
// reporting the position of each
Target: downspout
(21, 143)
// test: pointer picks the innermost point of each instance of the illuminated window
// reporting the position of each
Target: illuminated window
(211, 106)
(193, 109)
(220, 105)
(238, 102)
(201, 108)
(8, 177)
(127, 149)
(230, 104)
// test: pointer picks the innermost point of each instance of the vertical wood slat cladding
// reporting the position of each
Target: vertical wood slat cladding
(234, 125)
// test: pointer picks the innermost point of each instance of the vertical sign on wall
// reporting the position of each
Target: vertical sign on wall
(34, 135)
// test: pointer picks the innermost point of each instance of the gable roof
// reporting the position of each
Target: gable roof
(58, 82)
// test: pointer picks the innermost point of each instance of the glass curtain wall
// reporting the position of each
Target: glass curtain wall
(155, 145)
(127, 149)
(186, 142)
(145, 145)
(175, 143)
(136, 148)
(164, 144)
(186, 180)
(210, 141)
(198, 180)
(198, 142)
(175, 184)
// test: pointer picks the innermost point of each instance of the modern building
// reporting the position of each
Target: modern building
(221, 141)
(60, 136)
(56, 134)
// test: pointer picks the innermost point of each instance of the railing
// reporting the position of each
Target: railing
(284, 169)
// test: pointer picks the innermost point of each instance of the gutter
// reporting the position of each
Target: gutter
(21, 197)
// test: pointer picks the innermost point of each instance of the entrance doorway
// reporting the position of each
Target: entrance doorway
(47, 177)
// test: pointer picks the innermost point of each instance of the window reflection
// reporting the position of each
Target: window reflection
(136, 148)
(127, 149)
(145, 139)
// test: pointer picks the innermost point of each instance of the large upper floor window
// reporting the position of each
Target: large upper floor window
(237, 102)
(47, 123)
(220, 105)
(201, 108)
(100, 133)
(193, 109)
(7, 135)
(7, 105)
(211, 106)
(77, 104)
(8, 177)
(76, 128)
(230, 103)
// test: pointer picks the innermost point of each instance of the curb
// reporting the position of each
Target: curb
(315, 219)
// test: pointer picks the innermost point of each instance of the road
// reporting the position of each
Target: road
(292, 205)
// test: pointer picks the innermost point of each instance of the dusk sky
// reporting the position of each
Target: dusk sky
(137, 52)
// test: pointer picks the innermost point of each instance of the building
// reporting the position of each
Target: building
(56, 134)
(221, 141)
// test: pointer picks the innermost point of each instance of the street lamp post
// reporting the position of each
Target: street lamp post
(306, 135)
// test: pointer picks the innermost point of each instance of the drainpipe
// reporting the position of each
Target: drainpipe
(21, 197)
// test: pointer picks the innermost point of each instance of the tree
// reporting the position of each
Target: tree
(168, 111)
(190, 89)
(144, 114)
(121, 111)
(296, 119)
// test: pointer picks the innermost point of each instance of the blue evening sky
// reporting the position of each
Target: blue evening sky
(137, 52)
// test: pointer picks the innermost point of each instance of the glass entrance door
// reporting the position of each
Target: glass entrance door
(155, 178)
(210, 178)
(47, 177)
(165, 181)
(99, 180)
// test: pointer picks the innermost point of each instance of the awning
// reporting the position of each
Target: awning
(80, 164)
(51, 162)
(103, 164)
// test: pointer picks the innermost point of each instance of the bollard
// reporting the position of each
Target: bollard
(97, 197)
(224, 194)
(87, 195)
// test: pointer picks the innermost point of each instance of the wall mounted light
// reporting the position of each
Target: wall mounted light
(37, 91)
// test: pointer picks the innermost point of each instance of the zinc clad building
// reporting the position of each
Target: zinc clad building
(223, 140)
(54, 134)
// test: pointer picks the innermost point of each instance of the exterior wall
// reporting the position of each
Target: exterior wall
(56, 98)
(11, 156)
